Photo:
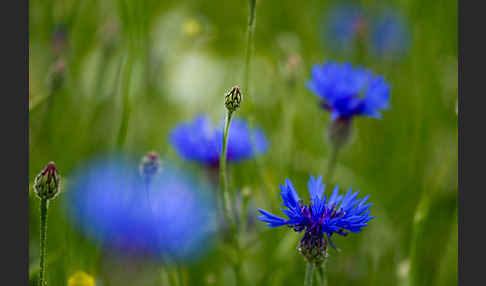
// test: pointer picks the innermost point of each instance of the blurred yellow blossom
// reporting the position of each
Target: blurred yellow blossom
(191, 27)
(81, 278)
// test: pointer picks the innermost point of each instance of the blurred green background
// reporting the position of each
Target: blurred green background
(101, 69)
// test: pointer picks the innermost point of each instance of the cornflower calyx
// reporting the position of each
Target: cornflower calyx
(313, 248)
(339, 131)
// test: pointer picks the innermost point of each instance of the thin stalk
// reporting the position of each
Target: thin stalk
(126, 104)
(238, 266)
(43, 235)
(331, 165)
(287, 130)
(309, 273)
(418, 230)
(244, 213)
(249, 48)
(225, 196)
(323, 273)
(227, 199)
(180, 274)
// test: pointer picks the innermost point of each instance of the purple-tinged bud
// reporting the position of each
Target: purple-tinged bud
(150, 166)
(46, 184)
(233, 99)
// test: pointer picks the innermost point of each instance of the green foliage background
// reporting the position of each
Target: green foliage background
(134, 69)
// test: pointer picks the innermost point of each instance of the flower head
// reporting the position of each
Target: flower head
(46, 184)
(105, 203)
(349, 27)
(390, 35)
(347, 91)
(200, 141)
(322, 216)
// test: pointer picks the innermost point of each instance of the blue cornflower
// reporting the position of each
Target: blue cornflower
(200, 141)
(347, 91)
(107, 200)
(337, 214)
(389, 35)
(385, 33)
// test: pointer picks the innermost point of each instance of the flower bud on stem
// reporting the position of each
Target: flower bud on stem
(232, 103)
(43, 234)
(46, 187)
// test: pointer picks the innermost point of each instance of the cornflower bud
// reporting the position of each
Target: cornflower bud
(233, 99)
(46, 184)
(150, 166)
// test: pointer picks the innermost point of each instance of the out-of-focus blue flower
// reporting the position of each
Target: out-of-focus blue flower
(347, 91)
(200, 141)
(323, 215)
(107, 200)
(384, 32)
(389, 35)
(344, 24)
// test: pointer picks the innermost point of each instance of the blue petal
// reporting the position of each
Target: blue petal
(270, 219)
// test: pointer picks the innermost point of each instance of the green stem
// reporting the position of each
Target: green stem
(180, 275)
(418, 230)
(331, 165)
(309, 273)
(249, 48)
(323, 272)
(122, 134)
(239, 274)
(225, 197)
(43, 235)
(244, 214)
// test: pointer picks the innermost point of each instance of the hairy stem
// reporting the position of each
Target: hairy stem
(331, 165)
(225, 196)
(43, 238)
(249, 48)
(126, 105)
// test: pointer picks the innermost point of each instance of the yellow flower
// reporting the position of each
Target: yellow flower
(80, 278)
